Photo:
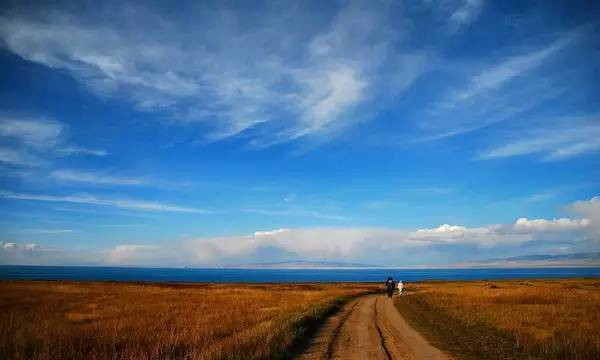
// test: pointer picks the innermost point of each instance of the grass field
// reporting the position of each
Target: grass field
(60, 320)
(549, 319)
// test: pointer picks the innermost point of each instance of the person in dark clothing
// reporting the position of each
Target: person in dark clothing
(390, 285)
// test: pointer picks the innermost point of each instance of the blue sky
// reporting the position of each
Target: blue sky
(393, 133)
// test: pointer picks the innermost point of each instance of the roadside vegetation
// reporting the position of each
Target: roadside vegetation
(520, 319)
(62, 320)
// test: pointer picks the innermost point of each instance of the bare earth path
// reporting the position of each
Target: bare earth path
(369, 328)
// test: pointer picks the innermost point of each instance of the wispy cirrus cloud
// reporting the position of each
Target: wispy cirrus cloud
(92, 200)
(453, 15)
(22, 139)
(31, 142)
(49, 231)
(112, 178)
(558, 140)
(95, 178)
(464, 14)
(36, 133)
(11, 246)
(19, 157)
(437, 190)
(296, 212)
(500, 90)
(539, 197)
(378, 204)
(498, 75)
(239, 77)
(78, 150)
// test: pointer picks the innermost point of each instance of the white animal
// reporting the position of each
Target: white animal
(400, 287)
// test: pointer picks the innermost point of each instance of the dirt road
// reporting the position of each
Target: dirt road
(369, 328)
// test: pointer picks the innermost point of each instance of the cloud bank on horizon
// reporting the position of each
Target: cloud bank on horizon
(151, 134)
(444, 244)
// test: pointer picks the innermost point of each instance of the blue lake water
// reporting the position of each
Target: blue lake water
(76, 273)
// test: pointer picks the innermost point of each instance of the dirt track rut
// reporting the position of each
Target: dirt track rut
(369, 328)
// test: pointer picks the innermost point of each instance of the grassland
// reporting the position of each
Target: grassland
(66, 320)
(521, 319)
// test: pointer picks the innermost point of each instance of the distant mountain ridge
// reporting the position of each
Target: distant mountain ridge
(574, 256)
(591, 259)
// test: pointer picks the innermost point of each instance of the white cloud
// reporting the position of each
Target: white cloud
(496, 76)
(378, 204)
(561, 139)
(562, 224)
(132, 254)
(539, 197)
(500, 90)
(589, 209)
(23, 138)
(295, 212)
(31, 247)
(94, 178)
(33, 254)
(273, 232)
(49, 231)
(31, 141)
(445, 243)
(19, 157)
(442, 229)
(375, 245)
(77, 150)
(120, 203)
(255, 78)
(331, 93)
(455, 234)
(433, 190)
(290, 198)
(104, 178)
(465, 14)
(36, 133)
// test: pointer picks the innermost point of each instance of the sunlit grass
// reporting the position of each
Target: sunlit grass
(507, 319)
(57, 320)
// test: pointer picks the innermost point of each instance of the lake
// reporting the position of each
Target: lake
(84, 273)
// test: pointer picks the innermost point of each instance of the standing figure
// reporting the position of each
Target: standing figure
(390, 285)
(400, 287)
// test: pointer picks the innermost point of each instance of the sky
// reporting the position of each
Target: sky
(397, 133)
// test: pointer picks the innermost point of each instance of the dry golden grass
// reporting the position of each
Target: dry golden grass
(60, 320)
(557, 319)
